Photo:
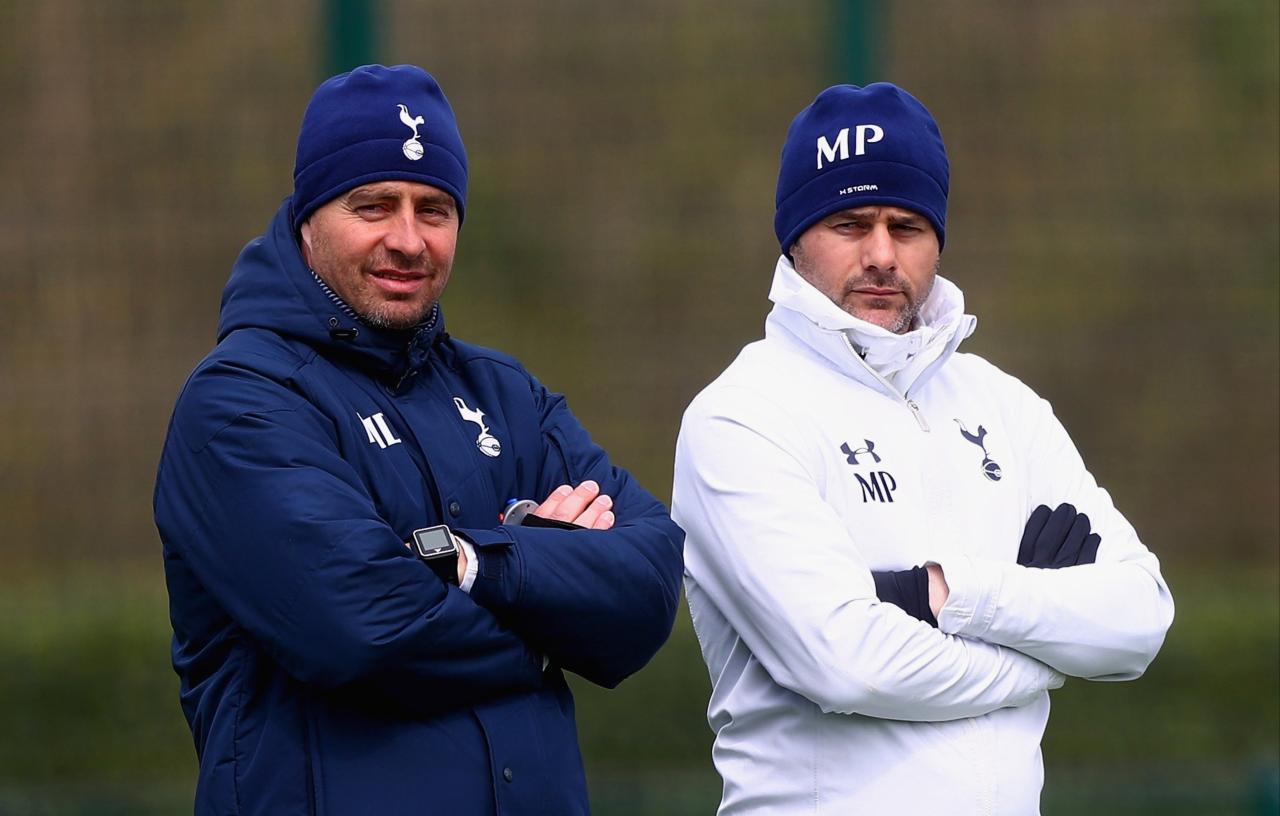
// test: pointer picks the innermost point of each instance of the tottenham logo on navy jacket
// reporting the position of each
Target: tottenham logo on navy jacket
(486, 442)
(878, 484)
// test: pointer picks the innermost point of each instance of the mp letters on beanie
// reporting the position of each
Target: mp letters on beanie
(856, 146)
(377, 124)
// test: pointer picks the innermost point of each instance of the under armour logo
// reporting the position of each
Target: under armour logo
(379, 431)
(853, 455)
(486, 442)
(412, 147)
(989, 467)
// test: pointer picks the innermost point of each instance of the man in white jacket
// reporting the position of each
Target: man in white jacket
(882, 593)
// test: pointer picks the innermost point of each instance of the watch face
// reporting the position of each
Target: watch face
(434, 542)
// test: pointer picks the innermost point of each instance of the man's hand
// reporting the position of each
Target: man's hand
(1061, 538)
(584, 506)
(938, 589)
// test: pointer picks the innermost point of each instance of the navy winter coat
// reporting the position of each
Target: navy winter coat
(324, 669)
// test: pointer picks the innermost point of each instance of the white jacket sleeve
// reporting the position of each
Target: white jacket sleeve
(780, 566)
(1102, 621)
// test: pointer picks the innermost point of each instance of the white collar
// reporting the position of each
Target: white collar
(853, 345)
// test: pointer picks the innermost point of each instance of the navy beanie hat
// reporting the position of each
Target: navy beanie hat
(377, 124)
(857, 146)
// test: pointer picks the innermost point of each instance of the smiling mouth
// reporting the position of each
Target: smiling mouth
(397, 275)
(398, 283)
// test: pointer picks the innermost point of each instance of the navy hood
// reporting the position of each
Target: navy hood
(272, 288)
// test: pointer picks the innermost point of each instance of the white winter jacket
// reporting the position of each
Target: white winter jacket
(833, 448)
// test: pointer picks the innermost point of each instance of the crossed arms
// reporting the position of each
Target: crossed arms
(782, 567)
(268, 518)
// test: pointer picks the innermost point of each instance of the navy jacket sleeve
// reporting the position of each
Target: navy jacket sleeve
(598, 603)
(278, 528)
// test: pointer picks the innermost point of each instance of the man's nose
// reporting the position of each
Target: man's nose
(403, 236)
(878, 249)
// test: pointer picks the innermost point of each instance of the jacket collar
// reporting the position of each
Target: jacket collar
(861, 350)
(272, 288)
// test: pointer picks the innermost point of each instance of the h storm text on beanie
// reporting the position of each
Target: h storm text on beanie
(377, 124)
(858, 146)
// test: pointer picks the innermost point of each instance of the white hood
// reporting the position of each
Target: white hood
(903, 360)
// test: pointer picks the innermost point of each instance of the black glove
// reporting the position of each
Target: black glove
(908, 590)
(1057, 539)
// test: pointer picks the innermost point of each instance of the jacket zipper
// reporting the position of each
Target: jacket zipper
(915, 412)
(910, 403)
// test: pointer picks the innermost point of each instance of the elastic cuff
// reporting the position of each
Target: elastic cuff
(920, 576)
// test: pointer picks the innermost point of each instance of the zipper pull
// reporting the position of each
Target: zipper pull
(915, 411)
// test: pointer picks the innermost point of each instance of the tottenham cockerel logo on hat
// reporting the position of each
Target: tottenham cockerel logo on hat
(412, 147)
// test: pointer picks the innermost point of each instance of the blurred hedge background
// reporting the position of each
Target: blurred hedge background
(1115, 223)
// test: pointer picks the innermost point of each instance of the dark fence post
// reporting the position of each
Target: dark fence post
(860, 40)
(350, 33)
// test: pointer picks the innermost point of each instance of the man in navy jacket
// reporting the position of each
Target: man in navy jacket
(332, 660)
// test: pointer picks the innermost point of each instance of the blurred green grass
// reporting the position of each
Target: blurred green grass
(91, 724)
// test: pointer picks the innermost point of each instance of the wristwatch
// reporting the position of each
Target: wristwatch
(438, 548)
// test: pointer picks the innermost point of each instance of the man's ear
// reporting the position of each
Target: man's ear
(305, 232)
(792, 251)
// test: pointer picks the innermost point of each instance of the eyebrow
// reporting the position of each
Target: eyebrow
(906, 218)
(375, 193)
(370, 192)
(868, 212)
(438, 197)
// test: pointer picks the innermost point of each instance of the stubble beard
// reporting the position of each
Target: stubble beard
(905, 318)
(380, 315)
(353, 286)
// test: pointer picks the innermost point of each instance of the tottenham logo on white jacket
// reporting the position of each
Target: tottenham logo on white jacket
(832, 448)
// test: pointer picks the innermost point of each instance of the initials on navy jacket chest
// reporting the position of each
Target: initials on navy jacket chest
(434, 453)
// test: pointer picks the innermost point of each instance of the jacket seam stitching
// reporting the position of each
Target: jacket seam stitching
(235, 748)
(237, 418)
